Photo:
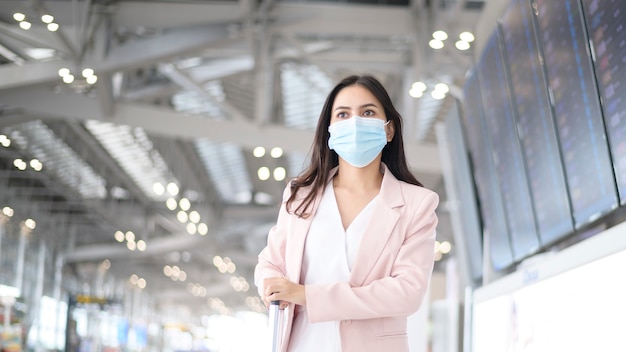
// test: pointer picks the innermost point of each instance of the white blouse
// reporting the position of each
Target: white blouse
(329, 253)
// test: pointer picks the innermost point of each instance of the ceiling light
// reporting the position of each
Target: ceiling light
(258, 152)
(64, 72)
(47, 18)
(191, 228)
(445, 247)
(194, 217)
(462, 45)
(131, 245)
(30, 224)
(141, 245)
(133, 279)
(203, 229)
(171, 203)
(217, 260)
(119, 236)
(87, 72)
(437, 94)
(438, 256)
(40, 53)
(184, 204)
(5, 141)
(276, 152)
(172, 188)
(20, 164)
(36, 165)
(416, 93)
(25, 25)
(167, 270)
(175, 270)
(130, 236)
(106, 264)
(231, 267)
(158, 188)
(92, 79)
(440, 35)
(421, 86)
(435, 44)
(141, 283)
(442, 87)
(280, 173)
(467, 37)
(182, 216)
(68, 78)
(8, 211)
(18, 16)
(52, 27)
(263, 173)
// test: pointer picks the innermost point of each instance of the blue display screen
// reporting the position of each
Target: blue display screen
(536, 124)
(510, 170)
(579, 120)
(489, 198)
(606, 22)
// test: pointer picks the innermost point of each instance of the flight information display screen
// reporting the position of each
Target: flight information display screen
(489, 198)
(536, 124)
(606, 22)
(579, 122)
(510, 170)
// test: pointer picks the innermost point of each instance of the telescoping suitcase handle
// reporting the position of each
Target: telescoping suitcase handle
(275, 325)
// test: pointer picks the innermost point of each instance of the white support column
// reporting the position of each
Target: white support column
(264, 72)
(417, 69)
(58, 275)
(21, 251)
(38, 292)
(3, 221)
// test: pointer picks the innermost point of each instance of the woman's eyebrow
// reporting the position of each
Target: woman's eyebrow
(360, 107)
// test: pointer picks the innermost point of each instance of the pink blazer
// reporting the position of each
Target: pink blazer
(389, 277)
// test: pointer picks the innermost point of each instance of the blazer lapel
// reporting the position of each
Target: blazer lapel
(379, 228)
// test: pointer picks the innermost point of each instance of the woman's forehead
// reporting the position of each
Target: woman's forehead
(355, 96)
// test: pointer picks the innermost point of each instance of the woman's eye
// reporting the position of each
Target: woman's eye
(342, 115)
(368, 113)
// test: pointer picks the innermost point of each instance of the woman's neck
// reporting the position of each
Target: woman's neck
(359, 178)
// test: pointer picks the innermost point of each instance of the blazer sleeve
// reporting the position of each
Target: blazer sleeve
(271, 260)
(398, 294)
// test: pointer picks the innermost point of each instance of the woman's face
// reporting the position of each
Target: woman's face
(356, 100)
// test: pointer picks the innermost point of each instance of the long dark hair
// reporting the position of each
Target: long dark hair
(323, 159)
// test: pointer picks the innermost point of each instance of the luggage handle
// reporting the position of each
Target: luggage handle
(275, 325)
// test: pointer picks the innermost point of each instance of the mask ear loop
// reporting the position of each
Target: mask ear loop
(386, 123)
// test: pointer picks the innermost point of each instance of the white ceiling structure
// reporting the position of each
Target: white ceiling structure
(185, 91)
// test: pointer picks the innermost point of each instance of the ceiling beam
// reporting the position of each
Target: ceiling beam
(158, 120)
(341, 20)
(139, 53)
(186, 81)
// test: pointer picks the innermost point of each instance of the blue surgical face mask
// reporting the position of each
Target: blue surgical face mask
(358, 140)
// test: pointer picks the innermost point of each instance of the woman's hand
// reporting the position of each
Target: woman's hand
(279, 288)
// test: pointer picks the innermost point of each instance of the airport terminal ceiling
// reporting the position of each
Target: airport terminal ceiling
(178, 97)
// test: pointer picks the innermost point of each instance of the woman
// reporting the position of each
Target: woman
(352, 251)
